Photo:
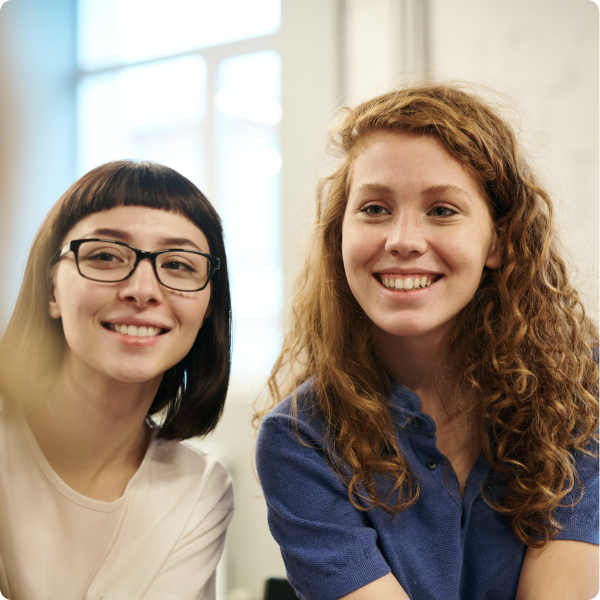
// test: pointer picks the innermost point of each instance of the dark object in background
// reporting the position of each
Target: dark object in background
(279, 589)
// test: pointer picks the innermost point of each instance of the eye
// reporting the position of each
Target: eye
(441, 210)
(104, 256)
(374, 210)
(175, 265)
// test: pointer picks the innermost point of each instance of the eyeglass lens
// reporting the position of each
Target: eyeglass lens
(179, 269)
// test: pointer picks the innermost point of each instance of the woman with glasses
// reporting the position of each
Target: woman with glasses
(439, 437)
(124, 314)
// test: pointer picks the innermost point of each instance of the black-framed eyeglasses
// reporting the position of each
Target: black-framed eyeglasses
(110, 262)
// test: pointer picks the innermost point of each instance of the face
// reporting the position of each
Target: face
(416, 235)
(162, 324)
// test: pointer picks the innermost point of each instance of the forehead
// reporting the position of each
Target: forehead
(406, 159)
(139, 225)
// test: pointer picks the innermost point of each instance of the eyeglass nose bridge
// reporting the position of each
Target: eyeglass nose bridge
(141, 255)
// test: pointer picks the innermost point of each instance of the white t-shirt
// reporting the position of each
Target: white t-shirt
(161, 540)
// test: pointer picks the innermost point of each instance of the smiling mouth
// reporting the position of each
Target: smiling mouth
(405, 283)
(135, 331)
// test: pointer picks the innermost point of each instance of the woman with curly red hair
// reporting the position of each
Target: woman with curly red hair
(439, 437)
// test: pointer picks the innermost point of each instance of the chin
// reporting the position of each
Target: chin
(133, 375)
(411, 329)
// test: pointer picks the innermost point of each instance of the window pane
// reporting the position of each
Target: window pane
(248, 163)
(124, 31)
(152, 112)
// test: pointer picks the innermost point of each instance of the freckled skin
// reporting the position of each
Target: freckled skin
(413, 208)
(83, 305)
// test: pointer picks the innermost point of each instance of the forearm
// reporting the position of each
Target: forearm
(385, 588)
(561, 570)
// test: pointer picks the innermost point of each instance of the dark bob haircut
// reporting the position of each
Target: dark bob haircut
(192, 393)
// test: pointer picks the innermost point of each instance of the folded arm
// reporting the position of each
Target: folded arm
(561, 570)
(385, 588)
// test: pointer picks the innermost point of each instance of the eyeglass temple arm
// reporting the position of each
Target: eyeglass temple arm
(64, 250)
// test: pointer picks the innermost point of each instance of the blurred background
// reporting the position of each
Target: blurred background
(238, 95)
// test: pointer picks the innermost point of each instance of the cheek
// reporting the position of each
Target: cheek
(72, 298)
(346, 250)
(193, 315)
(467, 250)
(351, 262)
(355, 249)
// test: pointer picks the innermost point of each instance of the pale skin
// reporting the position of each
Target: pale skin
(412, 209)
(89, 418)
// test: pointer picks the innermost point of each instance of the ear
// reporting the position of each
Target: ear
(53, 307)
(493, 258)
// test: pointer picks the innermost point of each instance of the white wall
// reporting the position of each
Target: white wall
(384, 43)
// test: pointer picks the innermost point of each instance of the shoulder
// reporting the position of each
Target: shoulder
(295, 420)
(186, 469)
(299, 409)
(595, 351)
(293, 446)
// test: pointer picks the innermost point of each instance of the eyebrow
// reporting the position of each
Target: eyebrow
(446, 188)
(123, 236)
(433, 190)
(374, 188)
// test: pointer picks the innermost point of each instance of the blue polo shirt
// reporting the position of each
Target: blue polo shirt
(444, 547)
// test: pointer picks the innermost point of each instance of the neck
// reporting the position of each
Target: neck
(419, 363)
(91, 429)
(424, 365)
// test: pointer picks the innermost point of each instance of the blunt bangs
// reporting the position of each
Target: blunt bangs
(192, 393)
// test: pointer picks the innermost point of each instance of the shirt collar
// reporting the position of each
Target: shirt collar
(404, 398)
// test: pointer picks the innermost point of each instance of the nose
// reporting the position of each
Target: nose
(142, 287)
(407, 235)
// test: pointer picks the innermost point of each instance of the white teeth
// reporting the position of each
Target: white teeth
(408, 283)
(134, 331)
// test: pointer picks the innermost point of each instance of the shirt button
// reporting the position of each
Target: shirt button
(432, 464)
(417, 423)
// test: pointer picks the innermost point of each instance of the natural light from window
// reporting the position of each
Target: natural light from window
(124, 31)
(149, 90)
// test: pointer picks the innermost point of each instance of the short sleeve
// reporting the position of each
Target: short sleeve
(329, 547)
(578, 514)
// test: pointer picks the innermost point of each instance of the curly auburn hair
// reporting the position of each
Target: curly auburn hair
(523, 343)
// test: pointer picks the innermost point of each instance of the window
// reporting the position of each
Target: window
(197, 87)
